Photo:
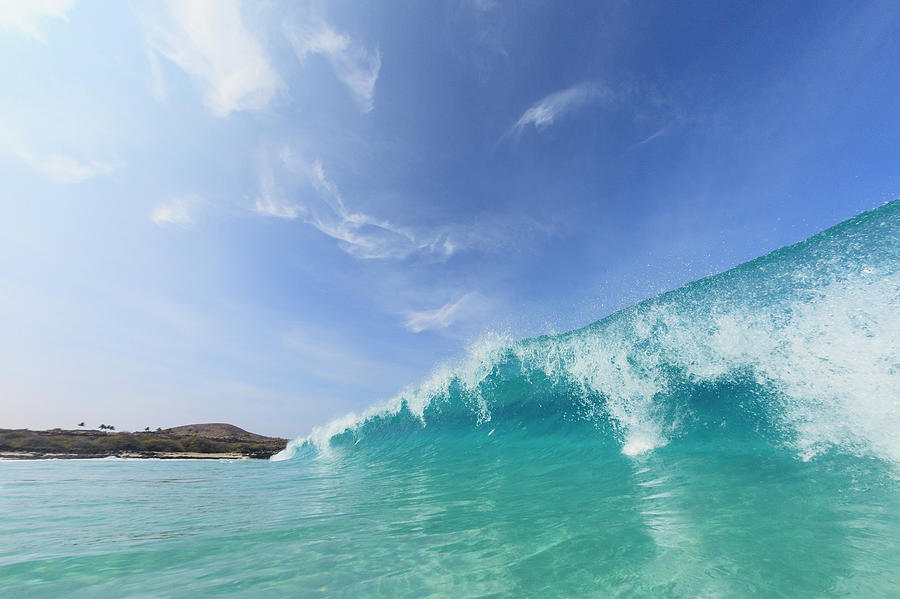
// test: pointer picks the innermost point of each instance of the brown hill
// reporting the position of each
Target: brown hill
(216, 430)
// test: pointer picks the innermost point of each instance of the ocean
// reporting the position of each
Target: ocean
(737, 437)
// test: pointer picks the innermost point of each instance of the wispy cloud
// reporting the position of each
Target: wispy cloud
(485, 5)
(210, 42)
(30, 16)
(550, 108)
(441, 318)
(354, 65)
(359, 234)
(267, 204)
(326, 355)
(272, 201)
(658, 133)
(177, 211)
(65, 169)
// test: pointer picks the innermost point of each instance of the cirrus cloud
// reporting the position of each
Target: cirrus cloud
(313, 197)
(30, 16)
(548, 109)
(64, 169)
(355, 66)
(177, 211)
(443, 317)
(209, 41)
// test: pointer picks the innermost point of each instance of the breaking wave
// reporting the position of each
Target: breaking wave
(799, 348)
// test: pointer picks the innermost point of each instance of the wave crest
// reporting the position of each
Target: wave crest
(808, 335)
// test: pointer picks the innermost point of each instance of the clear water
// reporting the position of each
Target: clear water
(548, 517)
(738, 437)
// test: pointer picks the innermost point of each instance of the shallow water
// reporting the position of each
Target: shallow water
(508, 515)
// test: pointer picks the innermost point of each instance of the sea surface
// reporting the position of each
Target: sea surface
(738, 437)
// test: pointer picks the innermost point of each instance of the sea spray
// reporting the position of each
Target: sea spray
(805, 340)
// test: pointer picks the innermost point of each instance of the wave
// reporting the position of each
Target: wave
(799, 348)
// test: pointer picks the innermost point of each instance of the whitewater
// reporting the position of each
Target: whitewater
(804, 338)
(737, 437)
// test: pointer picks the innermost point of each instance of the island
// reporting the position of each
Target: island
(215, 440)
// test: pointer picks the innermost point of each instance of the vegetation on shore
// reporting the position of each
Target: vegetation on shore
(214, 438)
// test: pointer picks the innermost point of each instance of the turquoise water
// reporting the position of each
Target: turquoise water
(739, 437)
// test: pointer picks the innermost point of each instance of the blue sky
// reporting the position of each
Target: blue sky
(273, 213)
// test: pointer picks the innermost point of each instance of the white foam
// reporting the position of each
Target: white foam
(829, 346)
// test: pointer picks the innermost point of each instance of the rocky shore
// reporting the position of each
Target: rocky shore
(193, 441)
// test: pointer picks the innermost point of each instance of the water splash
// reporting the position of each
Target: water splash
(801, 346)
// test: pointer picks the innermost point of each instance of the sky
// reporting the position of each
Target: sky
(274, 213)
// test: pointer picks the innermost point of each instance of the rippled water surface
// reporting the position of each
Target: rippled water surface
(461, 517)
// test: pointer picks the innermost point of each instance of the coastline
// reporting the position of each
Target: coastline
(10, 456)
(210, 441)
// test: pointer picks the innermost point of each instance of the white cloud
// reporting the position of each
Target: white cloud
(485, 5)
(176, 211)
(649, 138)
(210, 42)
(441, 318)
(356, 67)
(268, 205)
(29, 16)
(270, 201)
(158, 80)
(65, 169)
(549, 109)
(359, 234)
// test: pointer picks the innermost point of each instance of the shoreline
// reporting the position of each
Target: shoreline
(209, 441)
(15, 456)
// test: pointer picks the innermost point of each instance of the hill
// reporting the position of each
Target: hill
(212, 440)
(216, 430)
